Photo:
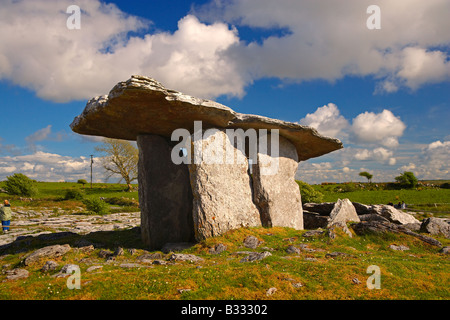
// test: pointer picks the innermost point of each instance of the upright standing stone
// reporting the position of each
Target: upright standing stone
(343, 212)
(221, 190)
(165, 194)
(276, 193)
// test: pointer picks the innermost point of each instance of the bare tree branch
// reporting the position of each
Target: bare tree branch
(121, 159)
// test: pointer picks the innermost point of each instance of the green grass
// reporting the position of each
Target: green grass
(427, 196)
(421, 273)
(51, 196)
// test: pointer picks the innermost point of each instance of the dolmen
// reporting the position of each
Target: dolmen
(204, 169)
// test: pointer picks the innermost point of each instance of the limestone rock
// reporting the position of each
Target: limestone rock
(17, 274)
(435, 226)
(142, 105)
(165, 195)
(313, 233)
(343, 212)
(185, 257)
(363, 208)
(398, 247)
(372, 217)
(47, 252)
(218, 248)
(67, 270)
(94, 268)
(271, 291)
(323, 208)
(445, 250)
(377, 227)
(276, 193)
(396, 216)
(293, 249)
(251, 242)
(337, 228)
(49, 266)
(222, 192)
(255, 256)
(313, 220)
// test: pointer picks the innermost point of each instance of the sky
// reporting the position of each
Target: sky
(377, 80)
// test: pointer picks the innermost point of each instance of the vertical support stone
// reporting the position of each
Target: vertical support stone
(221, 188)
(165, 194)
(276, 193)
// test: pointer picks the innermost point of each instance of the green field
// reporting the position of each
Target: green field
(427, 199)
(430, 200)
(412, 197)
(419, 273)
(51, 196)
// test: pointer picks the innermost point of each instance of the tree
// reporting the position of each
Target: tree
(19, 184)
(308, 193)
(407, 180)
(367, 175)
(121, 158)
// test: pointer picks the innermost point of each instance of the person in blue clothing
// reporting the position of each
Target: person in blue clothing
(5, 215)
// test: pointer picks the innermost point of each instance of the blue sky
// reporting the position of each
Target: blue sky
(384, 93)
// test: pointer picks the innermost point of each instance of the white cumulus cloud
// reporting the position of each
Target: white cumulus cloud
(329, 40)
(321, 40)
(327, 120)
(39, 52)
(45, 166)
(383, 128)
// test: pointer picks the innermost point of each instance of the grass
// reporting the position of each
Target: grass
(421, 273)
(51, 194)
(51, 197)
(413, 197)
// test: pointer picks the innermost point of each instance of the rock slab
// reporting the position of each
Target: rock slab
(343, 211)
(275, 191)
(435, 226)
(222, 192)
(165, 195)
(46, 252)
(142, 105)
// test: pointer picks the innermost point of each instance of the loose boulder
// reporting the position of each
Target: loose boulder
(435, 226)
(394, 215)
(46, 252)
(17, 274)
(343, 212)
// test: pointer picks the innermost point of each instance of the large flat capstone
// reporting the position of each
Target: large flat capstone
(142, 105)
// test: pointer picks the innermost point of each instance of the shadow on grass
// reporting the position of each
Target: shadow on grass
(127, 239)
